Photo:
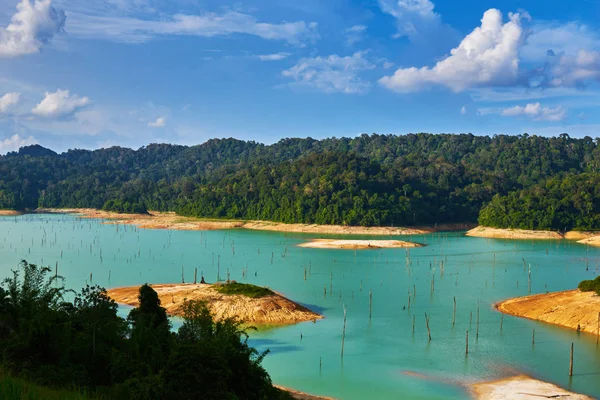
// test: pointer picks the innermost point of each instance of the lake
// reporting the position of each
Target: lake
(383, 358)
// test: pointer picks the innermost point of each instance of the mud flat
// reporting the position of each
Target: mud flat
(521, 387)
(357, 244)
(570, 309)
(592, 241)
(272, 309)
(485, 232)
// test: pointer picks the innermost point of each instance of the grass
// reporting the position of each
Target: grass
(19, 389)
(244, 289)
(590, 285)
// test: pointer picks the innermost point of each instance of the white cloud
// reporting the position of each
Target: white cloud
(488, 56)
(134, 30)
(463, 110)
(15, 142)
(60, 104)
(273, 57)
(34, 25)
(332, 74)
(160, 122)
(355, 34)
(537, 112)
(8, 101)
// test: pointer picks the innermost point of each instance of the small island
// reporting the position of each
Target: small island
(357, 244)
(250, 304)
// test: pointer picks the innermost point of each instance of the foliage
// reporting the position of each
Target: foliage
(244, 289)
(590, 285)
(48, 341)
(414, 179)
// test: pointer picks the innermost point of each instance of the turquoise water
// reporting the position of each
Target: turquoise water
(383, 359)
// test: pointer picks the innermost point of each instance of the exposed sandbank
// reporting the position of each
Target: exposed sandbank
(570, 309)
(521, 387)
(333, 229)
(592, 241)
(9, 213)
(486, 232)
(268, 310)
(357, 244)
(579, 235)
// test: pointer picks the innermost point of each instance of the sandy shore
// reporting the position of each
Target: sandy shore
(268, 310)
(357, 244)
(569, 309)
(483, 231)
(9, 213)
(301, 395)
(580, 235)
(521, 387)
(592, 241)
(170, 220)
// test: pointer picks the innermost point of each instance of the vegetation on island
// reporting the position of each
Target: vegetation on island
(244, 289)
(54, 348)
(590, 285)
(386, 180)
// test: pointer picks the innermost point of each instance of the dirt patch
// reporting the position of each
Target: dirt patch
(521, 387)
(268, 310)
(482, 231)
(357, 244)
(569, 309)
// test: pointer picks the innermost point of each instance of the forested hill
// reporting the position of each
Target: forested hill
(414, 179)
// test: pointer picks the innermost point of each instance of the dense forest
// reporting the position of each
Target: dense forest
(83, 346)
(417, 179)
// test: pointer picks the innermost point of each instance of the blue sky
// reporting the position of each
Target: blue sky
(90, 74)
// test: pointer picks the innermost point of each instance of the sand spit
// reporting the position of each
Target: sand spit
(483, 231)
(301, 395)
(579, 235)
(569, 309)
(268, 310)
(357, 244)
(592, 241)
(521, 387)
(9, 213)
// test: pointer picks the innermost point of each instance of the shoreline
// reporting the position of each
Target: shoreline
(358, 244)
(9, 213)
(497, 233)
(170, 220)
(298, 395)
(569, 309)
(591, 241)
(521, 387)
(273, 309)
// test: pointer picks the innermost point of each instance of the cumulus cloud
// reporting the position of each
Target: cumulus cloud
(8, 101)
(228, 23)
(273, 57)
(488, 56)
(160, 122)
(33, 26)
(332, 74)
(576, 70)
(537, 112)
(15, 142)
(60, 104)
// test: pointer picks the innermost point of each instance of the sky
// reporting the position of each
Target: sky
(92, 74)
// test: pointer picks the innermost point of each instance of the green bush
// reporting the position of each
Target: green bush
(244, 289)
(590, 285)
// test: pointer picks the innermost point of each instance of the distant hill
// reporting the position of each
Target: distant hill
(416, 179)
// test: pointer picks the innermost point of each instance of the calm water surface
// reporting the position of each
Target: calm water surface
(383, 358)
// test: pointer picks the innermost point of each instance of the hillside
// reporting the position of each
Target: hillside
(376, 180)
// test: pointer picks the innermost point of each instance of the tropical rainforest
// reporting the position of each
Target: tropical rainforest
(506, 181)
(55, 343)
